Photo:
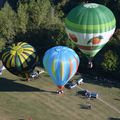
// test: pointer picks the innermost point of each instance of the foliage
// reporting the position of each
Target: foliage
(31, 22)
(37, 13)
(114, 5)
(7, 22)
(110, 62)
(41, 23)
(115, 38)
(58, 8)
(35, 18)
(106, 62)
(2, 44)
(69, 43)
(58, 35)
(22, 18)
(32, 19)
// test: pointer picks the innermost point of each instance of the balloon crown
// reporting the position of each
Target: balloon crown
(17, 49)
(91, 5)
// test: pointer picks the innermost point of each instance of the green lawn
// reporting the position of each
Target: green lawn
(20, 100)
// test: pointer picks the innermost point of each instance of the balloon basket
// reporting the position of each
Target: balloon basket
(30, 118)
(90, 64)
(60, 91)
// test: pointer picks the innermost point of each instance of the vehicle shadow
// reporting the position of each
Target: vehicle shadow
(7, 85)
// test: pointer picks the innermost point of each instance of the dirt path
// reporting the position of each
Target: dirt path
(106, 103)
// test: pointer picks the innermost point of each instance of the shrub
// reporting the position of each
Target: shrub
(2, 44)
(37, 13)
(59, 37)
(110, 61)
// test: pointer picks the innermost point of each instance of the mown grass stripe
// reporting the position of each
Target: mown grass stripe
(58, 108)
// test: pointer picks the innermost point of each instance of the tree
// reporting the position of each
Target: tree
(7, 23)
(22, 17)
(37, 13)
(110, 62)
(2, 44)
(114, 5)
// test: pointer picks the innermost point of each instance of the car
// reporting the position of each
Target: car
(34, 75)
(88, 94)
(91, 94)
(94, 95)
(80, 81)
(70, 85)
(82, 92)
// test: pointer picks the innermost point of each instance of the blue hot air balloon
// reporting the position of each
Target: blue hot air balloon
(61, 63)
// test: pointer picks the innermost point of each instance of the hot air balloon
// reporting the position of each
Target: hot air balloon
(90, 27)
(61, 63)
(20, 59)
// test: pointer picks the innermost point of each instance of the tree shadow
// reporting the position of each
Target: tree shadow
(7, 85)
(102, 81)
(70, 5)
(12, 3)
(40, 39)
(111, 118)
(117, 99)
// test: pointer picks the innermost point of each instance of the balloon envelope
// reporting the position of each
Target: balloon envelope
(61, 63)
(90, 26)
(19, 58)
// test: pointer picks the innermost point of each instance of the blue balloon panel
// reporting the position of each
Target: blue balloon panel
(61, 63)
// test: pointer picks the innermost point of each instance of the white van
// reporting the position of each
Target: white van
(80, 81)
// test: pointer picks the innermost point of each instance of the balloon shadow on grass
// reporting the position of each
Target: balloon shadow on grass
(113, 118)
(7, 85)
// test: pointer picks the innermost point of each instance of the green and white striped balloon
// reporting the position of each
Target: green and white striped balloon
(90, 26)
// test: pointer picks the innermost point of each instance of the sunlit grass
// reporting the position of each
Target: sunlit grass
(20, 100)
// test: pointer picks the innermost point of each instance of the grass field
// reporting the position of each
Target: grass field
(20, 100)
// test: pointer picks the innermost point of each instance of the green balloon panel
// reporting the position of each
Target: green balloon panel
(90, 26)
(19, 58)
